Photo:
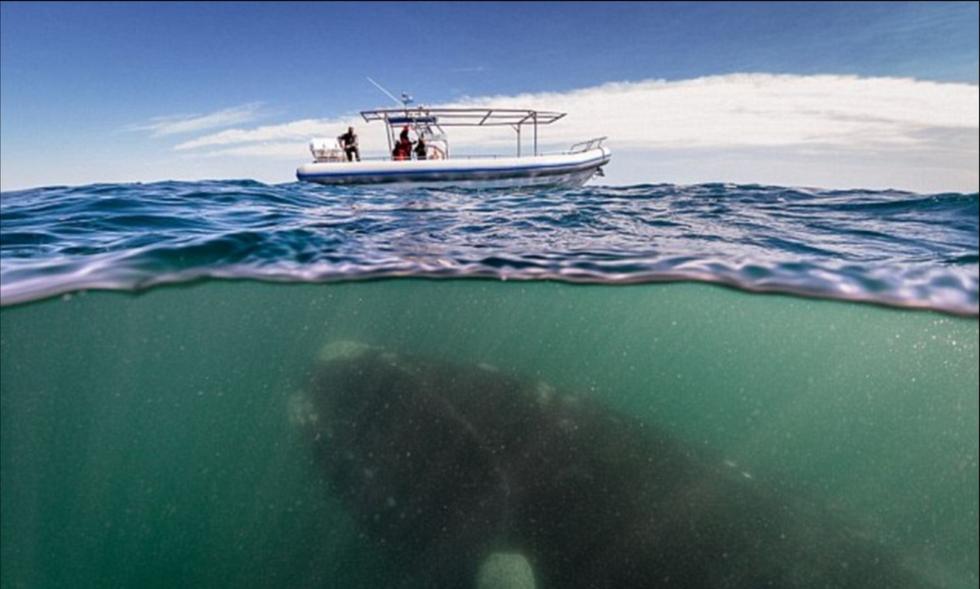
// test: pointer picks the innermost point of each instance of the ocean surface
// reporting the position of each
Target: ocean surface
(884, 247)
(162, 347)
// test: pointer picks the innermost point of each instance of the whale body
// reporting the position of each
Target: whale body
(444, 466)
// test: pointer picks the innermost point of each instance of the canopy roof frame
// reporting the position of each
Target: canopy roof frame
(462, 117)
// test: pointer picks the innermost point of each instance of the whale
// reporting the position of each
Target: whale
(452, 470)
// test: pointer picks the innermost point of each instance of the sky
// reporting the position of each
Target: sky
(833, 95)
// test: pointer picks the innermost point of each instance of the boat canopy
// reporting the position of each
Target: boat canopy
(461, 117)
(430, 121)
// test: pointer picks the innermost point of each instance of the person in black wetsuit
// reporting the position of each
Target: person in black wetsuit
(348, 141)
(420, 149)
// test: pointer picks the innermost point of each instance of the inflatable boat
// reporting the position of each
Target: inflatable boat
(430, 162)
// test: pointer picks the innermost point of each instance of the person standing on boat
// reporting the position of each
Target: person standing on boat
(348, 141)
(420, 149)
(403, 149)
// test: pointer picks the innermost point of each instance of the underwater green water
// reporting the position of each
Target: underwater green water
(146, 439)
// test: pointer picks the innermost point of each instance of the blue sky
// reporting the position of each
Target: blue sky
(91, 91)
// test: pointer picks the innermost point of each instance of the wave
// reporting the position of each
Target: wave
(886, 247)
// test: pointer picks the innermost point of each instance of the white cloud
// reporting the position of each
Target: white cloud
(731, 111)
(824, 131)
(301, 130)
(758, 110)
(175, 124)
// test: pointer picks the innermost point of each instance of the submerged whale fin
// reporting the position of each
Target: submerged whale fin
(505, 570)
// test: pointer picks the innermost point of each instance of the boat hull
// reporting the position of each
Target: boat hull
(566, 170)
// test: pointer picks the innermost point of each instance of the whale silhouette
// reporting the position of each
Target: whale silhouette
(445, 467)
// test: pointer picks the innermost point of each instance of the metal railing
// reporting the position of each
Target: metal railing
(388, 158)
(580, 147)
(586, 145)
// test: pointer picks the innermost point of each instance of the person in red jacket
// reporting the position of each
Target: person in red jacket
(403, 149)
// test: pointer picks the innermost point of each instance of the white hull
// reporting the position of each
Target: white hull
(566, 170)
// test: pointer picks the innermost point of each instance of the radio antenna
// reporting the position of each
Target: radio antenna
(389, 94)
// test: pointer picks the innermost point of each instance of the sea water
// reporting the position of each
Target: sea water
(152, 338)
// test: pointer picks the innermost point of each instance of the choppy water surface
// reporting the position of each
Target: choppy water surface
(887, 247)
(414, 432)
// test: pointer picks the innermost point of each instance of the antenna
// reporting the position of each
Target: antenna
(390, 95)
